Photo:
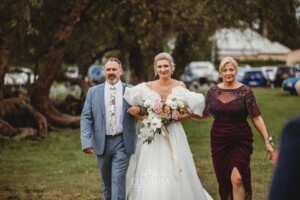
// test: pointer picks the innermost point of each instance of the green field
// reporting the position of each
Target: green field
(56, 168)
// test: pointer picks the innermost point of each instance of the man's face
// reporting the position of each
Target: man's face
(112, 72)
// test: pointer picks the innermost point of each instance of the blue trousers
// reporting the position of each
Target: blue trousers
(113, 165)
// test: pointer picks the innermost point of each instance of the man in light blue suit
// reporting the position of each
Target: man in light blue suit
(112, 144)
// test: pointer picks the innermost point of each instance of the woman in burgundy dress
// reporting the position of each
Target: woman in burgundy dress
(230, 103)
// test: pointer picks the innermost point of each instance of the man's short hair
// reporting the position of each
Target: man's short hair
(115, 60)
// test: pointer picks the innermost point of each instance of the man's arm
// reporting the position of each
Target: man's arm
(86, 122)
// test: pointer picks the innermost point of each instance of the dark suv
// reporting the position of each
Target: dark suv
(255, 78)
(284, 72)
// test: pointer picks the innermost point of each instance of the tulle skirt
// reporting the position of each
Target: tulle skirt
(164, 169)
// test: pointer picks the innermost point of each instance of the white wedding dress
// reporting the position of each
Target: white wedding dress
(164, 170)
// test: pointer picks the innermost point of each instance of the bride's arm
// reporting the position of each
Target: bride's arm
(198, 117)
(190, 116)
(185, 115)
(136, 111)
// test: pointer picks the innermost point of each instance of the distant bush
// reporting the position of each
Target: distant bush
(259, 63)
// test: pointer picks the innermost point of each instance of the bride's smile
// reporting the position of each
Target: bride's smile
(163, 68)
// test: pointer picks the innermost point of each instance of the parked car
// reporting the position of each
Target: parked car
(241, 72)
(288, 85)
(199, 73)
(19, 76)
(270, 72)
(255, 77)
(72, 72)
(96, 74)
(284, 72)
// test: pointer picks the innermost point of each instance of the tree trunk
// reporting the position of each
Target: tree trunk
(4, 55)
(18, 113)
(181, 54)
(40, 94)
(137, 65)
(9, 132)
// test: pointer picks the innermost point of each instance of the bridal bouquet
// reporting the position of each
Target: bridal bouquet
(160, 115)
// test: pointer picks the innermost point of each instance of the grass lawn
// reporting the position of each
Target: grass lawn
(56, 168)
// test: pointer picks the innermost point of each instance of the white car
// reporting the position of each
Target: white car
(72, 72)
(270, 71)
(19, 76)
(200, 73)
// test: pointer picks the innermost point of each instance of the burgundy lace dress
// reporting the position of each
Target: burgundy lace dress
(231, 135)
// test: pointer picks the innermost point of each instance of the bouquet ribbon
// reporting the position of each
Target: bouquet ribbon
(175, 162)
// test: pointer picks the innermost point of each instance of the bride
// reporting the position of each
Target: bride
(163, 167)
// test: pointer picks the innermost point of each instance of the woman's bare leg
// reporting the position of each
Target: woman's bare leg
(238, 189)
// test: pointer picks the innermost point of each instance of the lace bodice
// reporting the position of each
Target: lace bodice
(231, 104)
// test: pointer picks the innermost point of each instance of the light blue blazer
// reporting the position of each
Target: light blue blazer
(93, 123)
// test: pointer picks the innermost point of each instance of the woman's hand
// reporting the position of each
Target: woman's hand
(269, 150)
(275, 156)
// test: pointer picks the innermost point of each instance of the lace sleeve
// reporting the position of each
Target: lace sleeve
(208, 99)
(252, 107)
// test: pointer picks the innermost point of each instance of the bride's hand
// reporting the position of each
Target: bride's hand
(186, 115)
(134, 110)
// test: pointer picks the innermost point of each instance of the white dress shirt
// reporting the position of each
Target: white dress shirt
(119, 105)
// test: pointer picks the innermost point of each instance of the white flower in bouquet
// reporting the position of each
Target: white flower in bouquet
(171, 103)
(175, 103)
(160, 115)
(155, 123)
(146, 133)
(147, 103)
(180, 104)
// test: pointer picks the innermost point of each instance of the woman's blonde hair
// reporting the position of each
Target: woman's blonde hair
(226, 60)
(164, 56)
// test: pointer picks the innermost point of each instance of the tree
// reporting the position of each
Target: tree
(278, 21)
(14, 108)
(82, 32)
(41, 89)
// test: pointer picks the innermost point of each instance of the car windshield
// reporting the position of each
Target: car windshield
(256, 74)
(199, 67)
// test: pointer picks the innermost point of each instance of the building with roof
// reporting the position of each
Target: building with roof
(247, 44)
